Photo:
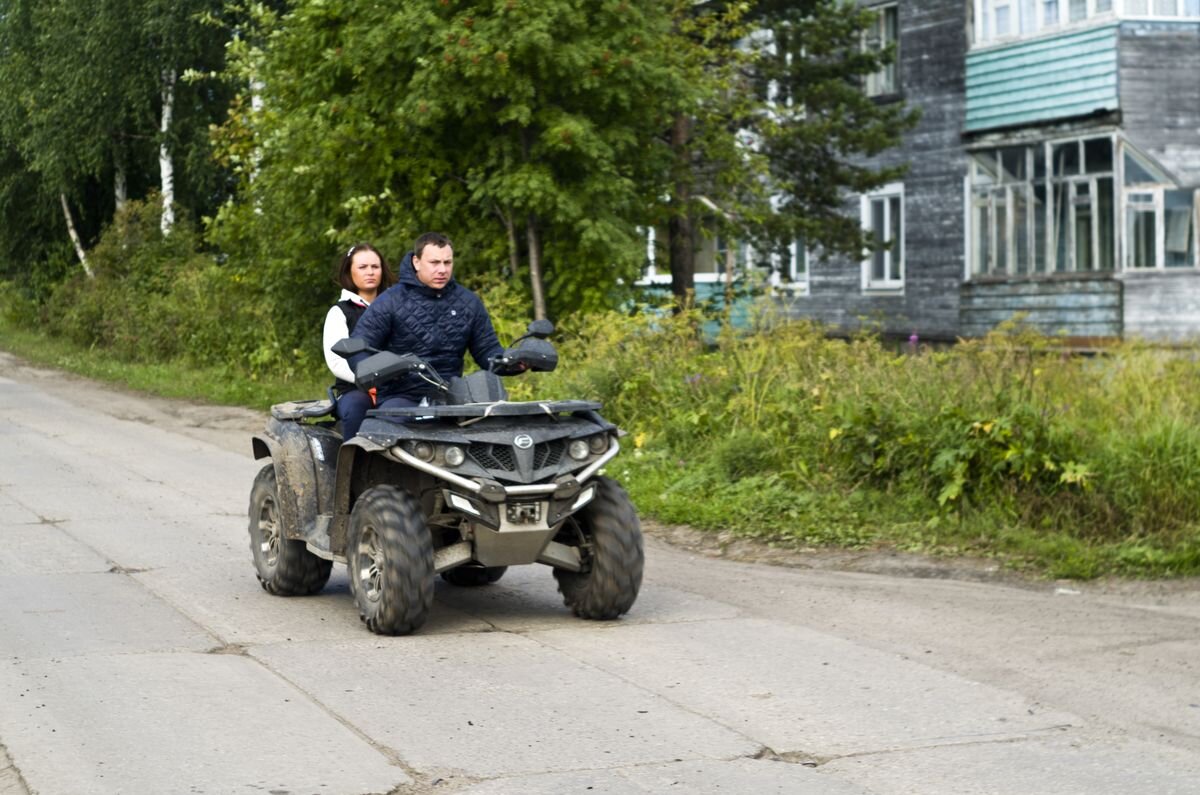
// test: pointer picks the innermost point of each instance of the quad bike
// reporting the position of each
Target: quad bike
(463, 487)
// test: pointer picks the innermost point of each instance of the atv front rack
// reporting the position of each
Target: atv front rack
(498, 409)
(302, 409)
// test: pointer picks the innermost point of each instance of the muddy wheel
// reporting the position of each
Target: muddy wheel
(390, 555)
(284, 566)
(472, 575)
(609, 538)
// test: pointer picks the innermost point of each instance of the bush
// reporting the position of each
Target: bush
(157, 298)
(1002, 445)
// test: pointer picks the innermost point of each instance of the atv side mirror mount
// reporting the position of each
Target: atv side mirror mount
(538, 329)
(351, 346)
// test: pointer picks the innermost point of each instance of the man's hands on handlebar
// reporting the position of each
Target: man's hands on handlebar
(506, 364)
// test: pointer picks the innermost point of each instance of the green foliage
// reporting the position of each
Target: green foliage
(80, 110)
(159, 298)
(1001, 446)
(222, 384)
(513, 127)
(824, 136)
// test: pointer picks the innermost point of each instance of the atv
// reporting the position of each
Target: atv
(463, 487)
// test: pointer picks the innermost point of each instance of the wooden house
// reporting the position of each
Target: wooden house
(1055, 172)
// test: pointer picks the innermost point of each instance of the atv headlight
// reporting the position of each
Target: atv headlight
(578, 449)
(423, 451)
(454, 456)
(598, 443)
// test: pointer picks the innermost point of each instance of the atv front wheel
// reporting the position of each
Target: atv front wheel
(390, 556)
(473, 575)
(284, 566)
(609, 537)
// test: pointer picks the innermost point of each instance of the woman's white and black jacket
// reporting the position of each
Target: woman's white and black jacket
(340, 322)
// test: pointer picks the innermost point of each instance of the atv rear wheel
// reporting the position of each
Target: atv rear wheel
(472, 575)
(609, 537)
(284, 566)
(390, 555)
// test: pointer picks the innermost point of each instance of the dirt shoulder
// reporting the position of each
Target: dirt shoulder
(230, 428)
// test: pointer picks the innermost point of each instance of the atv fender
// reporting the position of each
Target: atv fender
(304, 457)
(352, 455)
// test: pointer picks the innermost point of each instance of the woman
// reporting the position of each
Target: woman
(362, 274)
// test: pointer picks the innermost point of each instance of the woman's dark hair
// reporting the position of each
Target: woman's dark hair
(341, 274)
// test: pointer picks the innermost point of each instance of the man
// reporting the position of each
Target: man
(428, 314)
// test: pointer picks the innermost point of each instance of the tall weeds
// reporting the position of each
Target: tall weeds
(1004, 445)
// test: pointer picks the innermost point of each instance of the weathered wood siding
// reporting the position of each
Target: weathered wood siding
(933, 44)
(1087, 307)
(1162, 306)
(1148, 70)
(1160, 93)
(1026, 82)
(1160, 104)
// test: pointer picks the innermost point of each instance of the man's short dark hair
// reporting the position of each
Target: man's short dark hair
(435, 239)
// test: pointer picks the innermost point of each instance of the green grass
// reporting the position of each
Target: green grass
(221, 386)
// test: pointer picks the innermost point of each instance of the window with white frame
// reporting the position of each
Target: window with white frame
(1056, 207)
(796, 269)
(999, 20)
(883, 219)
(1160, 219)
(884, 32)
(787, 268)
(1043, 208)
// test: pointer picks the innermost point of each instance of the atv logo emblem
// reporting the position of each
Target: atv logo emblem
(523, 441)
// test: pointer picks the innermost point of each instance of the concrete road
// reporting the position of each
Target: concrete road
(139, 655)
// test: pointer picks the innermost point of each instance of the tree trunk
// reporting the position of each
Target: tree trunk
(75, 237)
(683, 260)
(680, 247)
(535, 269)
(164, 152)
(120, 188)
(730, 260)
(256, 106)
(514, 253)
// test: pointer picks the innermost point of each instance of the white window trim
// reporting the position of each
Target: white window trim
(871, 82)
(968, 222)
(1154, 207)
(1122, 253)
(1157, 208)
(983, 27)
(653, 275)
(886, 286)
(795, 285)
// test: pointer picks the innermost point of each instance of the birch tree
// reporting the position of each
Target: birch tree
(92, 95)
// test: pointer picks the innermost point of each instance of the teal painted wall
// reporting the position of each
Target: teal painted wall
(1072, 74)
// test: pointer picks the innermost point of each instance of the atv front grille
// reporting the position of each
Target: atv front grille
(493, 456)
(501, 457)
(547, 454)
